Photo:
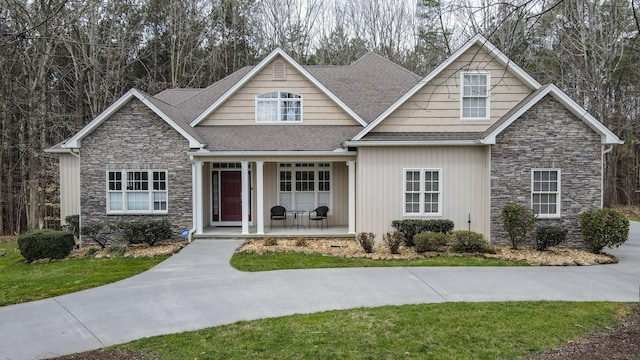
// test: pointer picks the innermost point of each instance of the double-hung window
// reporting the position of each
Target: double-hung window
(423, 192)
(304, 186)
(278, 107)
(545, 192)
(475, 96)
(137, 191)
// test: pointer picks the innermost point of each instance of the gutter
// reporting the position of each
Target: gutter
(356, 143)
(194, 154)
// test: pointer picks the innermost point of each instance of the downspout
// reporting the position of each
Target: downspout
(605, 150)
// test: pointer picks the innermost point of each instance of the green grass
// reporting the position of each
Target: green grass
(432, 331)
(281, 261)
(21, 282)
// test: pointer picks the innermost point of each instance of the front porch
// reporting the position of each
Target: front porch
(226, 232)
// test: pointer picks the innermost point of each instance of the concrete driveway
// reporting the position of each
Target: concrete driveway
(197, 289)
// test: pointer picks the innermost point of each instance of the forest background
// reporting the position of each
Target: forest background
(62, 62)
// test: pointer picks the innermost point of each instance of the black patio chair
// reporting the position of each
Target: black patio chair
(320, 214)
(279, 213)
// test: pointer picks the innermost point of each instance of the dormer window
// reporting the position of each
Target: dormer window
(278, 107)
(474, 101)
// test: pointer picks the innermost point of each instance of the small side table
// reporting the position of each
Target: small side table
(297, 215)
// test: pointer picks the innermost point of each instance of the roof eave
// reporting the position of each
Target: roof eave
(364, 143)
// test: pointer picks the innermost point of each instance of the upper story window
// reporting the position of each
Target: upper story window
(545, 192)
(475, 96)
(137, 191)
(278, 107)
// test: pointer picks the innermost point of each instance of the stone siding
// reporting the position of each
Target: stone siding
(547, 136)
(135, 138)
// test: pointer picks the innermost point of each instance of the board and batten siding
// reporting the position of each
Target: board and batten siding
(317, 107)
(436, 107)
(465, 185)
(69, 186)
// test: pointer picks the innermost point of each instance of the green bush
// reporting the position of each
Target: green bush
(409, 228)
(270, 241)
(470, 242)
(393, 240)
(547, 235)
(97, 233)
(73, 224)
(302, 241)
(519, 221)
(604, 227)
(116, 250)
(145, 231)
(430, 241)
(367, 241)
(45, 244)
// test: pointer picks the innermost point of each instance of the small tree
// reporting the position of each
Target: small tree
(604, 227)
(97, 233)
(519, 221)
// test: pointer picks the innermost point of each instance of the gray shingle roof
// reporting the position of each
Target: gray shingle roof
(515, 109)
(174, 114)
(368, 86)
(276, 137)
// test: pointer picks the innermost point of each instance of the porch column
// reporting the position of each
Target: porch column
(245, 197)
(352, 196)
(196, 173)
(260, 196)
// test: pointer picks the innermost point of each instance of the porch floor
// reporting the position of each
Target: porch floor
(234, 232)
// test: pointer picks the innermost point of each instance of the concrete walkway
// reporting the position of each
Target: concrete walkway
(197, 289)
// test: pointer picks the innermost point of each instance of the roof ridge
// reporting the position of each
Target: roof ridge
(385, 59)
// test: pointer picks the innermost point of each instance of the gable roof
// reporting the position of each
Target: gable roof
(369, 85)
(478, 40)
(607, 137)
(245, 79)
(169, 114)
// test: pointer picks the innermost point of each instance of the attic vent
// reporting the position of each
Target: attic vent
(279, 70)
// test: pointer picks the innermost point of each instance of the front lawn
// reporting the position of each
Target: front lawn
(282, 261)
(21, 282)
(431, 331)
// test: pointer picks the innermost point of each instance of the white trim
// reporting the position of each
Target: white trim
(558, 213)
(245, 196)
(123, 191)
(476, 40)
(363, 143)
(201, 153)
(278, 102)
(487, 97)
(198, 217)
(260, 196)
(74, 142)
(352, 197)
(606, 136)
(421, 211)
(261, 65)
(316, 192)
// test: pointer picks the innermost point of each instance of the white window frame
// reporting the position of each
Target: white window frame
(125, 191)
(421, 191)
(487, 96)
(279, 102)
(557, 192)
(316, 168)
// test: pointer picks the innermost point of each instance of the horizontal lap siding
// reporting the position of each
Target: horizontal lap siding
(436, 107)
(465, 185)
(318, 108)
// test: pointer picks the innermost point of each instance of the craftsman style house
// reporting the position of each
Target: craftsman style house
(371, 141)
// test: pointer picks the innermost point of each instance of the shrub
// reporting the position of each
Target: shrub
(302, 241)
(73, 224)
(470, 242)
(366, 240)
(547, 236)
(411, 227)
(519, 221)
(430, 241)
(604, 227)
(45, 244)
(90, 251)
(116, 250)
(393, 240)
(97, 233)
(270, 241)
(145, 231)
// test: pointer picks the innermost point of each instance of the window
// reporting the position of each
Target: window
(137, 191)
(475, 96)
(304, 186)
(423, 192)
(545, 192)
(279, 106)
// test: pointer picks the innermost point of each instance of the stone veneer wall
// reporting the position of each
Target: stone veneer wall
(546, 136)
(135, 138)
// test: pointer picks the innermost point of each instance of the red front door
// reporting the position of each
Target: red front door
(231, 196)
